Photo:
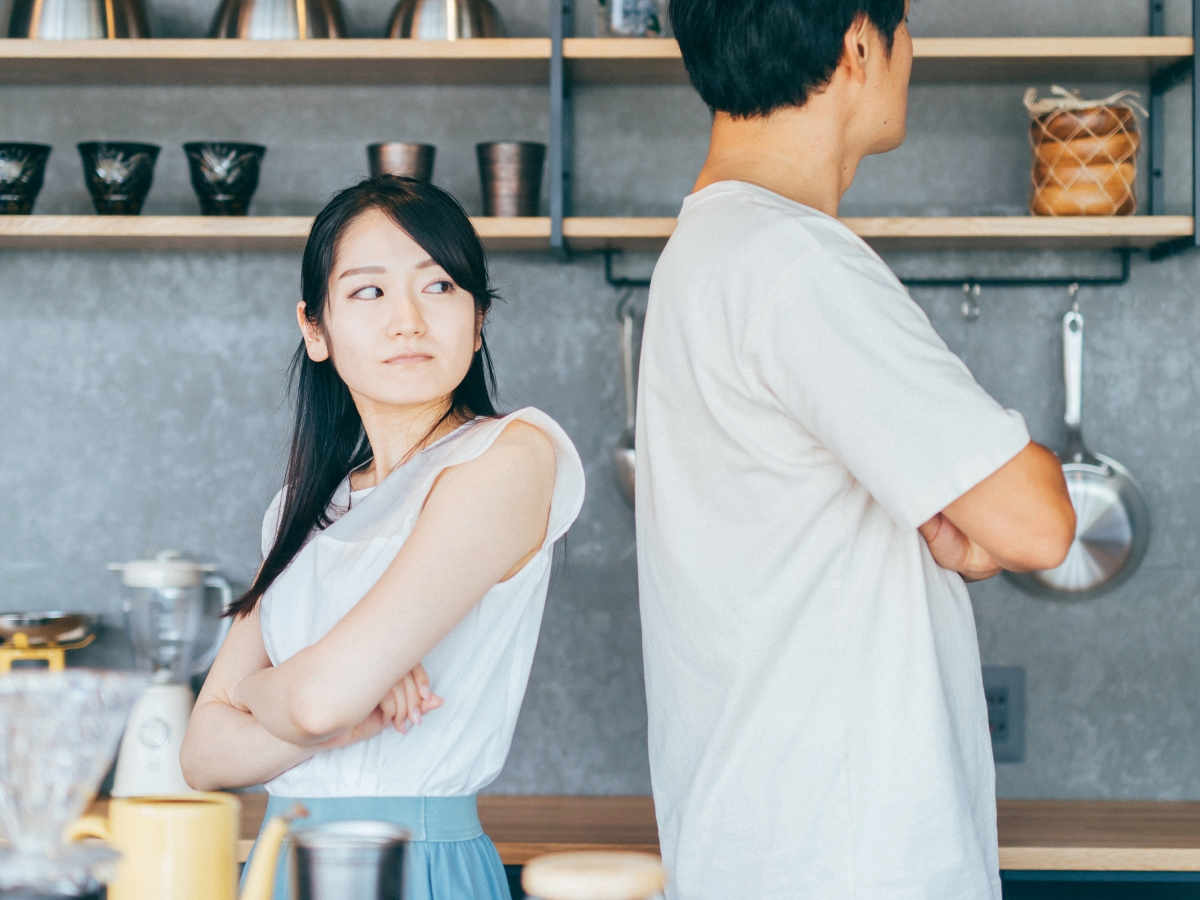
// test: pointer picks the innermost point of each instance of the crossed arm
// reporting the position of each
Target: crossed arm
(481, 523)
(1020, 518)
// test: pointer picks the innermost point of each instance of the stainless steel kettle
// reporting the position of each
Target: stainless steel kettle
(78, 19)
(434, 20)
(278, 19)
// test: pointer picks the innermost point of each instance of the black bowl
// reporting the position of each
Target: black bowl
(22, 170)
(118, 175)
(224, 175)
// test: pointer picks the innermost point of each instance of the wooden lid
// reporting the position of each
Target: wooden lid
(597, 875)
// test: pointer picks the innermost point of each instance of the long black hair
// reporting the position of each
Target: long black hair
(328, 439)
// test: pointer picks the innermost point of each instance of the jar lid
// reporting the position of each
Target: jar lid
(168, 569)
(594, 875)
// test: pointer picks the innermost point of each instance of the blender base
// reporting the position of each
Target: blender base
(148, 761)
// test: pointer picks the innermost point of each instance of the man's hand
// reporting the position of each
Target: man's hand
(953, 550)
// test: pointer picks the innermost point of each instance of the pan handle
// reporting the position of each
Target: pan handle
(1073, 379)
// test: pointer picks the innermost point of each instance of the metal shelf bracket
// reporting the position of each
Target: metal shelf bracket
(561, 126)
(1160, 85)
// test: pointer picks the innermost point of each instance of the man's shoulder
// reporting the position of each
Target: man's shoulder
(737, 232)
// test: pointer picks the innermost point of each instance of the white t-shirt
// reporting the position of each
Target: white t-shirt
(480, 668)
(817, 721)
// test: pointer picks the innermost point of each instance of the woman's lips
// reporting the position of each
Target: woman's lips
(407, 359)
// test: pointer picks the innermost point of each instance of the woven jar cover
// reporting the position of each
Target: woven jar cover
(1084, 153)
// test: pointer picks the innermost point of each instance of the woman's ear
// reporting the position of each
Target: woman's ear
(478, 330)
(314, 339)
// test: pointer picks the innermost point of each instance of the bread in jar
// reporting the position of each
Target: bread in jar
(1111, 148)
(1092, 121)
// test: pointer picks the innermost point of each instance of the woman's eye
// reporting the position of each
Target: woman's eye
(441, 287)
(361, 294)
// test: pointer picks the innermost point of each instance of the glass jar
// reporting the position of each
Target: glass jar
(631, 18)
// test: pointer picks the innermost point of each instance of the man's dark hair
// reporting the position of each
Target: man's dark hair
(750, 57)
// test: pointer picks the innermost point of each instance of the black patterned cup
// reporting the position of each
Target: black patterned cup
(118, 175)
(22, 170)
(224, 175)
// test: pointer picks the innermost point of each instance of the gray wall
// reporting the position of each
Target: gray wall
(144, 405)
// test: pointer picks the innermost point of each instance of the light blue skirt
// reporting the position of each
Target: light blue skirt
(448, 857)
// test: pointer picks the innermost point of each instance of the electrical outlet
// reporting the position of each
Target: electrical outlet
(1004, 688)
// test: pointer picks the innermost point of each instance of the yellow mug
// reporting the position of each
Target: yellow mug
(179, 847)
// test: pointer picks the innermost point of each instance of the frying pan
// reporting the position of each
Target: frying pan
(1112, 528)
(624, 453)
(47, 627)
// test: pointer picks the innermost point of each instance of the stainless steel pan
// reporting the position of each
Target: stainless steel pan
(47, 627)
(1112, 529)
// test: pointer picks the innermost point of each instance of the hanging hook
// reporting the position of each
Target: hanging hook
(1073, 293)
(970, 304)
(623, 302)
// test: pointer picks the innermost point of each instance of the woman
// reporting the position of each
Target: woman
(415, 524)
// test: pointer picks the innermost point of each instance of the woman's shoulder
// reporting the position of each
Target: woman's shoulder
(520, 444)
(529, 448)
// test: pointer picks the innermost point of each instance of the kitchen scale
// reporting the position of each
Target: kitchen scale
(42, 637)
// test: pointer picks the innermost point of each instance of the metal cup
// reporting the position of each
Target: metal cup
(363, 860)
(402, 158)
(511, 175)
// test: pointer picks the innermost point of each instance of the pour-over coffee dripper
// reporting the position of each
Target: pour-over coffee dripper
(58, 734)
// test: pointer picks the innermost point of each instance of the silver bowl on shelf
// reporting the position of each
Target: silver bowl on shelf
(278, 19)
(78, 19)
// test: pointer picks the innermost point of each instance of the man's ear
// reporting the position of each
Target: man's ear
(314, 338)
(856, 48)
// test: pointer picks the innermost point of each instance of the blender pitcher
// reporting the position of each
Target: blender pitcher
(175, 634)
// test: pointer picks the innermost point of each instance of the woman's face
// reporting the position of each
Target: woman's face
(400, 332)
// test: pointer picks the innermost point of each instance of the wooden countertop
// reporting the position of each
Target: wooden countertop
(1042, 835)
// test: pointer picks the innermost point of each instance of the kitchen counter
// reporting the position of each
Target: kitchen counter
(1035, 835)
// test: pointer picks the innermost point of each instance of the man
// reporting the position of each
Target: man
(817, 476)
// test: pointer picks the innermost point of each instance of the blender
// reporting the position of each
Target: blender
(176, 631)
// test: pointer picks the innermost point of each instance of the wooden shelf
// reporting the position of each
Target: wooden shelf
(207, 61)
(50, 232)
(527, 60)
(1035, 835)
(932, 233)
(45, 232)
(1106, 59)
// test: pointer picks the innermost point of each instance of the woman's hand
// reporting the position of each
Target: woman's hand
(951, 549)
(402, 708)
(408, 700)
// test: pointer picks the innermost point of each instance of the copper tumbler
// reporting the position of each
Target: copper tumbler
(401, 158)
(511, 174)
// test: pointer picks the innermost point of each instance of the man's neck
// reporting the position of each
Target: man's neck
(802, 154)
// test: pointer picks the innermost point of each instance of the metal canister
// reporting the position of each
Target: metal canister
(363, 860)
(402, 158)
(510, 173)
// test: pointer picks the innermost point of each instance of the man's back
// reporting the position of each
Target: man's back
(817, 720)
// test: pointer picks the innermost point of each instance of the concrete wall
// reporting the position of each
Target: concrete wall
(143, 392)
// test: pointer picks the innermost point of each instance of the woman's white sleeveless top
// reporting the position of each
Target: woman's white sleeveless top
(480, 668)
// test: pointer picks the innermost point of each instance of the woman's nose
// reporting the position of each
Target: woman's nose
(405, 317)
